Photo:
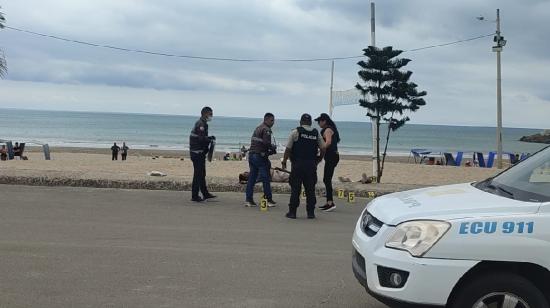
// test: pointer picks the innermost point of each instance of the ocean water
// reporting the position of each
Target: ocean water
(143, 131)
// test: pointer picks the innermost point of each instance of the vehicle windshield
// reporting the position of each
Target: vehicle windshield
(529, 180)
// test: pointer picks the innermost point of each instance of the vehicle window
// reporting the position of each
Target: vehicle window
(530, 179)
(541, 174)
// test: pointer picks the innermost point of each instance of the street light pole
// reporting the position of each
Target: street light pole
(500, 42)
(374, 122)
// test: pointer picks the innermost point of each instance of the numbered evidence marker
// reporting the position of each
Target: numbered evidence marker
(263, 204)
(371, 194)
(340, 194)
(351, 197)
(303, 194)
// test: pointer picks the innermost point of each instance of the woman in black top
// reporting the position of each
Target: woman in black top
(331, 137)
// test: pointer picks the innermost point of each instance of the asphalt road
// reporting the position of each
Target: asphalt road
(85, 247)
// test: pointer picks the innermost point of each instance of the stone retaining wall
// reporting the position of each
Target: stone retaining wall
(214, 185)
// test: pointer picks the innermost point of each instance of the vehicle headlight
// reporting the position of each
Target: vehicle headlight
(417, 237)
(364, 212)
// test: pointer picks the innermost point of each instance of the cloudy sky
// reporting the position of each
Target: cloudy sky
(460, 79)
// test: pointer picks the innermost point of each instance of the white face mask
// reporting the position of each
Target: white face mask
(208, 119)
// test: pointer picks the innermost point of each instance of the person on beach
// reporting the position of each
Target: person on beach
(114, 150)
(332, 138)
(244, 150)
(16, 149)
(3, 153)
(199, 143)
(303, 145)
(124, 150)
(258, 161)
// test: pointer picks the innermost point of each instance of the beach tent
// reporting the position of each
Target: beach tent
(420, 155)
(11, 154)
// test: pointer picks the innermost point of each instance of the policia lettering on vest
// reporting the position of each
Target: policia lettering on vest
(199, 143)
(305, 148)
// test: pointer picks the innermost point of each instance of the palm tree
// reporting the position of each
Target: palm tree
(3, 64)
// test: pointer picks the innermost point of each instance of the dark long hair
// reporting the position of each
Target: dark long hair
(332, 125)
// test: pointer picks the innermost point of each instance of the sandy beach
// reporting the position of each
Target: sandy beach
(96, 164)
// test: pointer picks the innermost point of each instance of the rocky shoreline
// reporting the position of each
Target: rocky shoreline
(543, 137)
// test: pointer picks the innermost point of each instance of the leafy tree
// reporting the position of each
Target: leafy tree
(387, 93)
(3, 64)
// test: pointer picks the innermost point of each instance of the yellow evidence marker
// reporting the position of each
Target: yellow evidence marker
(340, 194)
(351, 197)
(263, 204)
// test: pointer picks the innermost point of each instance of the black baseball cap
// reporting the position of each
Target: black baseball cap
(323, 117)
(305, 118)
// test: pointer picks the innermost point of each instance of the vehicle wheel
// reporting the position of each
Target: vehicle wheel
(499, 290)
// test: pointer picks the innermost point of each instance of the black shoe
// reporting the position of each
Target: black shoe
(328, 208)
(290, 215)
(323, 207)
(250, 203)
(209, 196)
(310, 216)
(271, 203)
(197, 199)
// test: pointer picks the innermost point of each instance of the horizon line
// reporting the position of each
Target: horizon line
(243, 117)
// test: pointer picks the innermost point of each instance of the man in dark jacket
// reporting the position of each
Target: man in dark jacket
(124, 150)
(114, 149)
(199, 143)
(258, 160)
(305, 148)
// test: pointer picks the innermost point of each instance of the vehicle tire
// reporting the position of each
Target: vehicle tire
(493, 289)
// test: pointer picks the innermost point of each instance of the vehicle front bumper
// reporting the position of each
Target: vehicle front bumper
(429, 283)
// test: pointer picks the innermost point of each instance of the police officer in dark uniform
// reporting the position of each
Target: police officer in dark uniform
(258, 160)
(302, 148)
(199, 143)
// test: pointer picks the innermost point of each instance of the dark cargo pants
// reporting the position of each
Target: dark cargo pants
(303, 172)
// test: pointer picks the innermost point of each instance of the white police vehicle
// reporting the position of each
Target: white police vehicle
(478, 245)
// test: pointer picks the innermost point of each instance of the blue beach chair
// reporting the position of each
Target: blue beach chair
(491, 159)
(481, 160)
(11, 154)
(450, 160)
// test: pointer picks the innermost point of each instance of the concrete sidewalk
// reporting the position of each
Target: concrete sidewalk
(84, 247)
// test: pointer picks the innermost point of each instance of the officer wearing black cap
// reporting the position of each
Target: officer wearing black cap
(304, 144)
(199, 143)
(258, 160)
(331, 137)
